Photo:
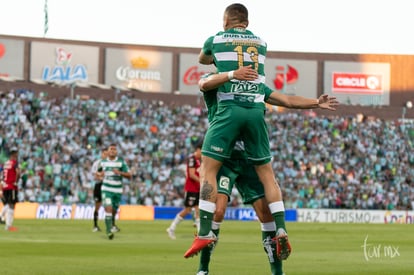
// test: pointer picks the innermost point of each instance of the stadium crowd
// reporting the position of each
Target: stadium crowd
(321, 162)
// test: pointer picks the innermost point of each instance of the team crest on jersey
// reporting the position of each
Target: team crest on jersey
(224, 182)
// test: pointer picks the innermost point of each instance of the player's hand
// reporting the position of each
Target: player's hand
(328, 102)
(100, 175)
(245, 73)
(116, 172)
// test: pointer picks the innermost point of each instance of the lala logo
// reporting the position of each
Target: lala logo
(63, 71)
(284, 76)
(63, 57)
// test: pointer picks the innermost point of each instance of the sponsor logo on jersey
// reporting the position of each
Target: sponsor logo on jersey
(216, 148)
(244, 86)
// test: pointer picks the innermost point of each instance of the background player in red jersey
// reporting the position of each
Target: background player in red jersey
(192, 191)
(11, 175)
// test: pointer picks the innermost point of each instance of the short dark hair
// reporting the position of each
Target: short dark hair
(199, 145)
(237, 12)
(13, 150)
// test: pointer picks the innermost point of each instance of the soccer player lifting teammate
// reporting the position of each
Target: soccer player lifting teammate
(240, 114)
(239, 172)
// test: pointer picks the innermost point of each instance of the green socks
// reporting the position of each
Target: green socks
(279, 218)
(108, 223)
(206, 218)
(205, 254)
(270, 250)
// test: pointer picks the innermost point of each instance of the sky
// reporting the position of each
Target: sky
(326, 26)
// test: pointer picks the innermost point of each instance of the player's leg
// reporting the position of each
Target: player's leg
(97, 196)
(96, 217)
(205, 236)
(196, 216)
(273, 194)
(178, 219)
(107, 198)
(114, 228)
(221, 204)
(277, 209)
(208, 193)
(196, 209)
(217, 146)
(11, 197)
(115, 203)
(10, 217)
(207, 206)
(252, 192)
(226, 179)
(268, 235)
(257, 147)
(3, 210)
(190, 201)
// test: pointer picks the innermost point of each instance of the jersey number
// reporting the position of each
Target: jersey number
(252, 52)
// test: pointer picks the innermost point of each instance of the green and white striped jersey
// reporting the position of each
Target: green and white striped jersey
(112, 182)
(210, 98)
(231, 50)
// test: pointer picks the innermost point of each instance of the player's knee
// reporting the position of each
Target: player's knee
(265, 217)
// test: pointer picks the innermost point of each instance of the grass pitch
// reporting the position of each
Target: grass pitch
(143, 247)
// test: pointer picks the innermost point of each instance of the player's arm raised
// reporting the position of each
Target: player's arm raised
(300, 102)
(215, 80)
